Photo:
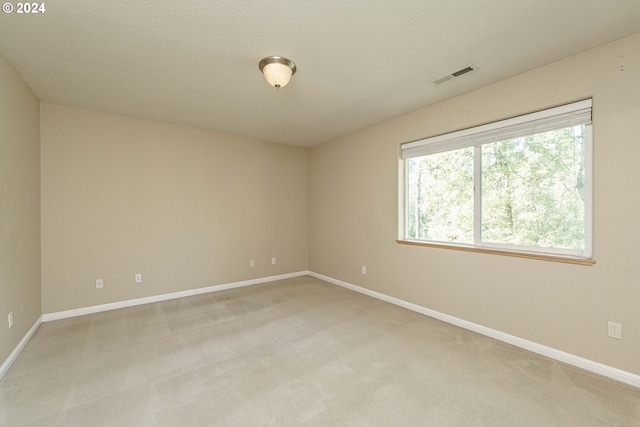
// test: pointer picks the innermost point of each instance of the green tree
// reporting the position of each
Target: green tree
(441, 197)
(532, 192)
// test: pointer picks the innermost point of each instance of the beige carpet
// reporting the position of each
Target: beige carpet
(294, 352)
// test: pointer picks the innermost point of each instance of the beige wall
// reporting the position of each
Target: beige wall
(353, 215)
(19, 208)
(186, 208)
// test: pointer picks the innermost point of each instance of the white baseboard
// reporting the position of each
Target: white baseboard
(164, 297)
(4, 368)
(571, 359)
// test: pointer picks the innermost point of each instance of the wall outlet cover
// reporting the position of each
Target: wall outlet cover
(615, 330)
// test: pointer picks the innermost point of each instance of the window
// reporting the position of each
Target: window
(518, 185)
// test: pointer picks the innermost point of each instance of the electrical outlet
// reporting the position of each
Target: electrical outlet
(615, 330)
(11, 320)
(273, 260)
(364, 270)
(252, 263)
(138, 277)
(99, 283)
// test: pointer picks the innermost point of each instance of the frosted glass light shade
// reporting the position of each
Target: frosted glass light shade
(277, 70)
(278, 75)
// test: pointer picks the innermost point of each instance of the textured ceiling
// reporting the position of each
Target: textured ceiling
(359, 61)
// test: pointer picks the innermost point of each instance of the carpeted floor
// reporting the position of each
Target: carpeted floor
(294, 352)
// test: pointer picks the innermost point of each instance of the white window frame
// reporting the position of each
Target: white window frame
(577, 113)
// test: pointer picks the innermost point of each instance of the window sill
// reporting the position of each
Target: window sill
(529, 255)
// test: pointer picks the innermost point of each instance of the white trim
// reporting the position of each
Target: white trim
(571, 359)
(403, 214)
(164, 297)
(588, 191)
(477, 195)
(4, 368)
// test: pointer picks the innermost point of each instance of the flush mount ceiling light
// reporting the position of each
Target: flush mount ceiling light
(277, 70)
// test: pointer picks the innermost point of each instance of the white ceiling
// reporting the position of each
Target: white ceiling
(359, 61)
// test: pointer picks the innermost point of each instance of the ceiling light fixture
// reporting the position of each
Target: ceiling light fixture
(277, 70)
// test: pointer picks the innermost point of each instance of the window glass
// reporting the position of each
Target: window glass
(440, 199)
(521, 184)
(533, 190)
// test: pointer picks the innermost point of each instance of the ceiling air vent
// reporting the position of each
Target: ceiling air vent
(452, 75)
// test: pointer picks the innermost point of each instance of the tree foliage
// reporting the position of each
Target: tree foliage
(532, 192)
(441, 197)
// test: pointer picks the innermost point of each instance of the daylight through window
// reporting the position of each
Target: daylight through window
(521, 184)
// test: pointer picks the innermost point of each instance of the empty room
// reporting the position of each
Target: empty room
(336, 213)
